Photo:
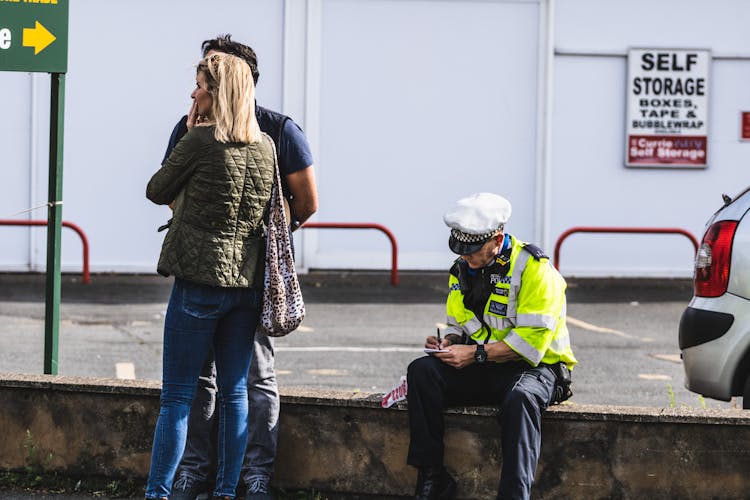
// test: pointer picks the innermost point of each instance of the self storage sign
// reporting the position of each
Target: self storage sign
(667, 109)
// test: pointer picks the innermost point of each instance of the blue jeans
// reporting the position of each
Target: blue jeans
(263, 419)
(199, 318)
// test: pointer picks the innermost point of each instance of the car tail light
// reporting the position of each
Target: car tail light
(714, 258)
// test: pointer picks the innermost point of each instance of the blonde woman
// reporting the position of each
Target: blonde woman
(219, 177)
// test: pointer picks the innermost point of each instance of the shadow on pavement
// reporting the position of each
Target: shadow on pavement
(332, 287)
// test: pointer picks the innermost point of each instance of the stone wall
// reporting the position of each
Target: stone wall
(347, 444)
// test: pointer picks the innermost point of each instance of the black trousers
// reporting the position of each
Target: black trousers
(521, 392)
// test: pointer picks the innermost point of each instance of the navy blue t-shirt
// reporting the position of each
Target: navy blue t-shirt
(293, 153)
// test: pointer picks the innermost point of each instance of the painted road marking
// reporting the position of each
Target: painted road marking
(125, 371)
(570, 320)
(672, 358)
(348, 349)
(604, 329)
(307, 329)
(653, 376)
(327, 371)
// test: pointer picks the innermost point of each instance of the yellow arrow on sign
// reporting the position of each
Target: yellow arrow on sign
(37, 37)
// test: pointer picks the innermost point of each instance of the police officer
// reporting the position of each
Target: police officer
(506, 345)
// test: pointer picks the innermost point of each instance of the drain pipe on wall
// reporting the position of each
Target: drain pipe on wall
(296, 89)
(33, 264)
(546, 61)
(313, 70)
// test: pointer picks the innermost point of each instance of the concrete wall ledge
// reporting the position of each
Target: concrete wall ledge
(345, 443)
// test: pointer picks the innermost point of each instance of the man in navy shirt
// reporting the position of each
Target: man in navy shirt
(197, 468)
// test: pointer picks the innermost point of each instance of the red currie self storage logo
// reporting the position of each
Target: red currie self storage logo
(667, 108)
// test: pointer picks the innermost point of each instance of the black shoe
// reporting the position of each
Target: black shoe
(434, 483)
(258, 489)
(186, 488)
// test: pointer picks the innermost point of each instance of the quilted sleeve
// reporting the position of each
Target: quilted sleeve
(167, 182)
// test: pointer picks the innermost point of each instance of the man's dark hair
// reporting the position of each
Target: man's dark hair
(225, 44)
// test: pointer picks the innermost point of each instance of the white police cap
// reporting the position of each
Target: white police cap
(474, 220)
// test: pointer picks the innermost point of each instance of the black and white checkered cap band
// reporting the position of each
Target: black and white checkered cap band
(473, 238)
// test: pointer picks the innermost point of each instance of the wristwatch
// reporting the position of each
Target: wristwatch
(480, 356)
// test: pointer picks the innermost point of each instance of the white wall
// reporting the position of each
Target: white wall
(15, 149)
(421, 102)
(409, 105)
(592, 187)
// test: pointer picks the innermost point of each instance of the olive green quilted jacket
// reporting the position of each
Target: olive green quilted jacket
(221, 194)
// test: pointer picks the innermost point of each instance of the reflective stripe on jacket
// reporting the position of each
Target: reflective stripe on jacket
(526, 310)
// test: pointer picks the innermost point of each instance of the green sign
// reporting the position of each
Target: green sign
(34, 35)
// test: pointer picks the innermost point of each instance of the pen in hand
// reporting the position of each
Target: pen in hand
(438, 338)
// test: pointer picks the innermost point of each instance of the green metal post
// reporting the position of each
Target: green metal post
(54, 223)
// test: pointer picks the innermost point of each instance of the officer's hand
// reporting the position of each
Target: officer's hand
(450, 339)
(431, 343)
(458, 356)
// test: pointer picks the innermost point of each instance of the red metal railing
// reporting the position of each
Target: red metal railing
(86, 277)
(364, 225)
(645, 230)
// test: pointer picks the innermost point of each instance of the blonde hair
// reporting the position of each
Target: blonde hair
(230, 83)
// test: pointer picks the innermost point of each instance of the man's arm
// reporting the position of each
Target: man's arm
(304, 193)
(296, 165)
(540, 308)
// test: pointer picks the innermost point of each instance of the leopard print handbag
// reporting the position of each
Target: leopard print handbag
(283, 308)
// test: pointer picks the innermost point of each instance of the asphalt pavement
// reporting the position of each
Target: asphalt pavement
(360, 332)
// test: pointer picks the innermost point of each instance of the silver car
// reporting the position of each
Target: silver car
(715, 327)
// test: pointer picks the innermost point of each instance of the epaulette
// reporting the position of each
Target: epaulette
(535, 251)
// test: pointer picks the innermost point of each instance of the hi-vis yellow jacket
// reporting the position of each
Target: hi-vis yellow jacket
(525, 309)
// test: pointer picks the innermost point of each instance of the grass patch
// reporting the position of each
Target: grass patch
(51, 482)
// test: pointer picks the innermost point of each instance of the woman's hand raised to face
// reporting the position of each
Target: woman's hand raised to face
(193, 117)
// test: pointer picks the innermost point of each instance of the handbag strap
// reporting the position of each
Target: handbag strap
(276, 211)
